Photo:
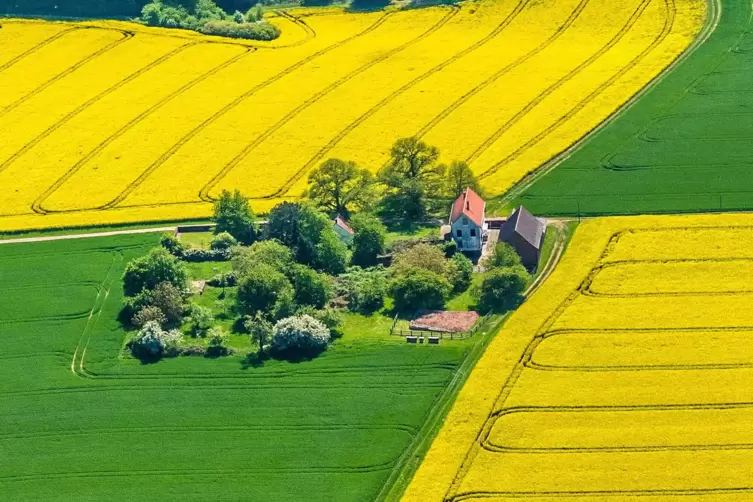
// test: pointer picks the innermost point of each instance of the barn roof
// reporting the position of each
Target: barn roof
(470, 205)
(527, 226)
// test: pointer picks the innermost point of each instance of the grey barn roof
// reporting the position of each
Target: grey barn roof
(527, 226)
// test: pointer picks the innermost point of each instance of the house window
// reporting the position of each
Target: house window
(459, 233)
(465, 220)
(473, 232)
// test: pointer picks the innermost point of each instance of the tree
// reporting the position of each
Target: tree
(419, 288)
(311, 288)
(202, 319)
(340, 186)
(331, 253)
(152, 343)
(168, 299)
(459, 177)
(422, 255)
(233, 215)
(260, 330)
(156, 267)
(502, 289)
(260, 288)
(410, 174)
(369, 235)
(172, 244)
(269, 252)
(299, 336)
(460, 272)
(504, 255)
(148, 314)
(285, 305)
(223, 240)
(300, 227)
(365, 289)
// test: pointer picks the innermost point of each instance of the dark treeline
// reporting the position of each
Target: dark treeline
(102, 8)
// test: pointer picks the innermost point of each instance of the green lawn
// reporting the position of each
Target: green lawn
(684, 146)
(335, 428)
(196, 239)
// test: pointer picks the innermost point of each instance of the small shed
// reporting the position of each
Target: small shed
(525, 233)
(342, 229)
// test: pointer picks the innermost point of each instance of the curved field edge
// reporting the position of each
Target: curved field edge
(498, 369)
(726, 28)
(412, 459)
(122, 214)
(359, 394)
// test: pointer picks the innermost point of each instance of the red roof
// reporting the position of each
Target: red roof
(340, 222)
(470, 205)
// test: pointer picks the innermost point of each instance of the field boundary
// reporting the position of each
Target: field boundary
(712, 22)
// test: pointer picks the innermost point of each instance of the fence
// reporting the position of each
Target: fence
(459, 335)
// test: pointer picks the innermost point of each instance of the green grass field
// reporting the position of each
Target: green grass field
(684, 146)
(79, 419)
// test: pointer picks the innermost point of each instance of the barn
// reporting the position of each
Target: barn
(525, 233)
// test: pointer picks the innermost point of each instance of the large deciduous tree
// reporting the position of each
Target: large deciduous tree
(410, 175)
(341, 186)
(459, 177)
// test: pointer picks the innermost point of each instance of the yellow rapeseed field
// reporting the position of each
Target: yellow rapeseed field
(113, 122)
(628, 375)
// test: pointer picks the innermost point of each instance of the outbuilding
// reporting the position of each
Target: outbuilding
(525, 233)
(342, 229)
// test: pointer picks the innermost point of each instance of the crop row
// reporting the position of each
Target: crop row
(221, 116)
(629, 386)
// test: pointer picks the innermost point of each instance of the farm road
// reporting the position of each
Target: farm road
(87, 235)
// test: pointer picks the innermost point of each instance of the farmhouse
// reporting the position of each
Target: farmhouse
(467, 221)
(525, 233)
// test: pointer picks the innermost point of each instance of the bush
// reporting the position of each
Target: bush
(419, 288)
(217, 342)
(148, 314)
(311, 288)
(260, 288)
(201, 255)
(460, 272)
(284, 306)
(364, 289)
(504, 255)
(155, 268)
(422, 255)
(270, 252)
(299, 336)
(202, 319)
(502, 289)
(330, 317)
(152, 343)
(227, 279)
(331, 253)
(250, 31)
(169, 300)
(369, 235)
(172, 244)
(223, 241)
